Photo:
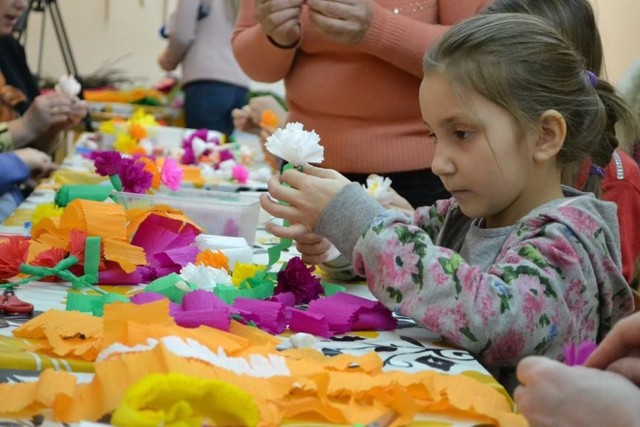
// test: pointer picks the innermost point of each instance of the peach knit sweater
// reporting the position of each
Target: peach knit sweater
(361, 99)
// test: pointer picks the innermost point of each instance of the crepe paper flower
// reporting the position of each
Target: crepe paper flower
(269, 316)
(107, 163)
(108, 127)
(171, 174)
(125, 143)
(210, 258)
(379, 188)
(240, 173)
(204, 276)
(577, 355)
(312, 323)
(200, 307)
(13, 252)
(45, 210)
(68, 85)
(269, 119)
(134, 178)
(175, 399)
(297, 278)
(243, 271)
(231, 228)
(141, 118)
(152, 167)
(224, 155)
(137, 131)
(49, 258)
(296, 145)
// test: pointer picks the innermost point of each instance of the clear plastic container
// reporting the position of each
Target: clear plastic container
(217, 212)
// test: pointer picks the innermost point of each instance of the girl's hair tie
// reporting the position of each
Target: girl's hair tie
(593, 79)
(596, 170)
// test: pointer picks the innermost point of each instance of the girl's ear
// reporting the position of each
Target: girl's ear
(553, 130)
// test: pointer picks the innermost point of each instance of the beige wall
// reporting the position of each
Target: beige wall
(102, 31)
(620, 31)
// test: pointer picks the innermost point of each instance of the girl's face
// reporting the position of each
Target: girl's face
(10, 11)
(481, 155)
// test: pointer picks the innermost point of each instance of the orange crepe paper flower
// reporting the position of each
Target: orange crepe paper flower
(137, 132)
(215, 259)
(151, 167)
(269, 119)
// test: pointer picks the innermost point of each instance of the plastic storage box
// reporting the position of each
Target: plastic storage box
(217, 212)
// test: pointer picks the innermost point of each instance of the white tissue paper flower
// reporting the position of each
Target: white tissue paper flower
(68, 85)
(378, 187)
(204, 276)
(296, 145)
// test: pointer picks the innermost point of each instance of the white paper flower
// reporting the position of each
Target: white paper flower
(296, 145)
(204, 276)
(68, 85)
(378, 187)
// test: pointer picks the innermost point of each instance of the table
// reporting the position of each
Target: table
(408, 348)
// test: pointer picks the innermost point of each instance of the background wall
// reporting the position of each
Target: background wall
(124, 34)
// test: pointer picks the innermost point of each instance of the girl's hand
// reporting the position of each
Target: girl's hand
(313, 248)
(553, 394)
(343, 21)
(280, 20)
(307, 197)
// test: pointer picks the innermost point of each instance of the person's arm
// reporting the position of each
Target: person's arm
(258, 57)
(402, 41)
(14, 171)
(181, 34)
(532, 300)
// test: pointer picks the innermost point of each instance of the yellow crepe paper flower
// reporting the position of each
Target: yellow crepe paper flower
(45, 210)
(180, 400)
(107, 127)
(139, 117)
(243, 271)
(125, 143)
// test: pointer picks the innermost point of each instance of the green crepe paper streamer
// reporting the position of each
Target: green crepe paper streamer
(92, 258)
(61, 270)
(116, 182)
(228, 294)
(167, 286)
(92, 303)
(68, 193)
(332, 288)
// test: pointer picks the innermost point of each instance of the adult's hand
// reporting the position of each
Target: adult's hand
(280, 20)
(620, 350)
(553, 394)
(39, 163)
(47, 111)
(343, 21)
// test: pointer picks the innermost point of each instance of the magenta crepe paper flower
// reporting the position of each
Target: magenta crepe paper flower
(134, 178)
(297, 278)
(231, 228)
(576, 355)
(225, 155)
(107, 163)
(188, 156)
(171, 174)
(240, 173)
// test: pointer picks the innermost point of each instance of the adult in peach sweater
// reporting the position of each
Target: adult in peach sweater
(351, 70)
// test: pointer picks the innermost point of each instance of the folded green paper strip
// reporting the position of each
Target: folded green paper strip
(68, 193)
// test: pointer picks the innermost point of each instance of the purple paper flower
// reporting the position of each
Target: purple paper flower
(188, 156)
(134, 178)
(225, 155)
(297, 278)
(107, 163)
(577, 355)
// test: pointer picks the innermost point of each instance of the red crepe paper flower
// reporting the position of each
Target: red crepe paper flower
(13, 252)
(134, 178)
(49, 258)
(107, 163)
(298, 279)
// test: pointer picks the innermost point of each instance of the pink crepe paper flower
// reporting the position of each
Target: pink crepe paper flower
(189, 156)
(107, 163)
(240, 173)
(576, 355)
(171, 174)
(297, 278)
(134, 178)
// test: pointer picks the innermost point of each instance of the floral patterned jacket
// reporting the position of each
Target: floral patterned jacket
(556, 279)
